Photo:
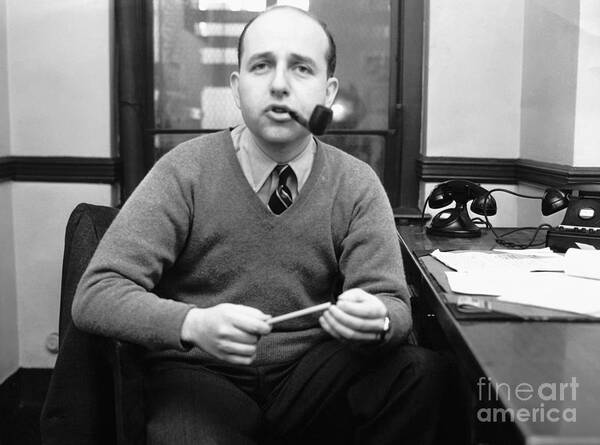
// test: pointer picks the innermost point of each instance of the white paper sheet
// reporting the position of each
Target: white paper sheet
(558, 291)
(583, 263)
(543, 289)
(502, 261)
(476, 283)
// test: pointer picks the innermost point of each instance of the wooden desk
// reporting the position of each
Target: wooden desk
(514, 355)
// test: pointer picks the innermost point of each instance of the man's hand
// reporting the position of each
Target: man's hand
(230, 332)
(357, 316)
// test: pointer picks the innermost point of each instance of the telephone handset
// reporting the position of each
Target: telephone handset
(456, 222)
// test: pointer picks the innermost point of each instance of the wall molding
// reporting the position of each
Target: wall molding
(60, 169)
(429, 169)
(503, 171)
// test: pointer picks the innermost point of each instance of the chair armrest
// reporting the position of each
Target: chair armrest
(127, 363)
(80, 408)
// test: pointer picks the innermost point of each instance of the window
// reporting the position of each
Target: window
(195, 50)
(190, 48)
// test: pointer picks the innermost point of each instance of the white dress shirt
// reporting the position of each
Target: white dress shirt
(258, 167)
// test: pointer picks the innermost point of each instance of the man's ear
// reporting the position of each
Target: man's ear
(234, 83)
(331, 91)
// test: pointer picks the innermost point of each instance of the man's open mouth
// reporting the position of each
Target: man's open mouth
(280, 114)
(277, 109)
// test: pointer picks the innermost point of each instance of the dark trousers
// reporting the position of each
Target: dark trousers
(333, 394)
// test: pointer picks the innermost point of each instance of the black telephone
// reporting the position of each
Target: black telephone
(581, 222)
(456, 222)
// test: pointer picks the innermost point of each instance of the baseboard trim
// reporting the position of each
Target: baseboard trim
(60, 169)
(503, 171)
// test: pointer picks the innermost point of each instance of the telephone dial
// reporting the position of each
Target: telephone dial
(456, 222)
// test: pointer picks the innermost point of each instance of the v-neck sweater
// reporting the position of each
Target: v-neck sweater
(194, 234)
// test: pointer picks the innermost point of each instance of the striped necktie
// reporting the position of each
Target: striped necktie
(281, 198)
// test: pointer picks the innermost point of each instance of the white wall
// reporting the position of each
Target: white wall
(503, 78)
(586, 151)
(516, 79)
(549, 80)
(473, 78)
(39, 228)
(4, 116)
(58, 68)
(59, 73)
(9, 339)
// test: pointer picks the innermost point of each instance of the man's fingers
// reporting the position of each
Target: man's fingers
(361, 304)
(362, 309)
(249, 319)
(345, 332)
(353, 295)
(236, 335)
(234, 348)
(328, 328)
(356, 323)
(251, 324)
(238, 360)
(251, 312)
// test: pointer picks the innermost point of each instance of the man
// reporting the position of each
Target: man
(230, 229)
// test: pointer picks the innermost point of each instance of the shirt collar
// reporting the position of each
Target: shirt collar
(260, 166)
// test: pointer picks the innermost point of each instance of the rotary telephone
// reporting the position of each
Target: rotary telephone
(456, 222)
(581, 223)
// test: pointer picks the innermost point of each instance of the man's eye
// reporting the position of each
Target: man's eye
(303, 69)
(259, 67)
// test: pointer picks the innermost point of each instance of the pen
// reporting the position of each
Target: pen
(300, 313)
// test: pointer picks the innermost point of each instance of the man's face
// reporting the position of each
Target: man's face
(283, 67)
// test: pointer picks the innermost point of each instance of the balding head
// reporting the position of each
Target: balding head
(330, 54)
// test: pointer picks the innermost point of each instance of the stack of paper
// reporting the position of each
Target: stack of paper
(502, 260)
(544, 289)
(534, 277)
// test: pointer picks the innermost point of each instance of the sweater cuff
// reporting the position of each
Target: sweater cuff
(400, 319)
(169, 326)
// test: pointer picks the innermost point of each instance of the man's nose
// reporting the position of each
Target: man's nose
(279, 83)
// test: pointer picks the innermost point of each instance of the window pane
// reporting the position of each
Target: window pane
(195, 51)
(165, 142)
(370, 149)
(361, 30)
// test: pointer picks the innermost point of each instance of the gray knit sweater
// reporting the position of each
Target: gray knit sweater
(194, 233)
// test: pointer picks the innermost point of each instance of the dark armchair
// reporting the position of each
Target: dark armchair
(96, 391)
(95, 395)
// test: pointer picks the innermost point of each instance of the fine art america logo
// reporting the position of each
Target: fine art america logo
(545, 402)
